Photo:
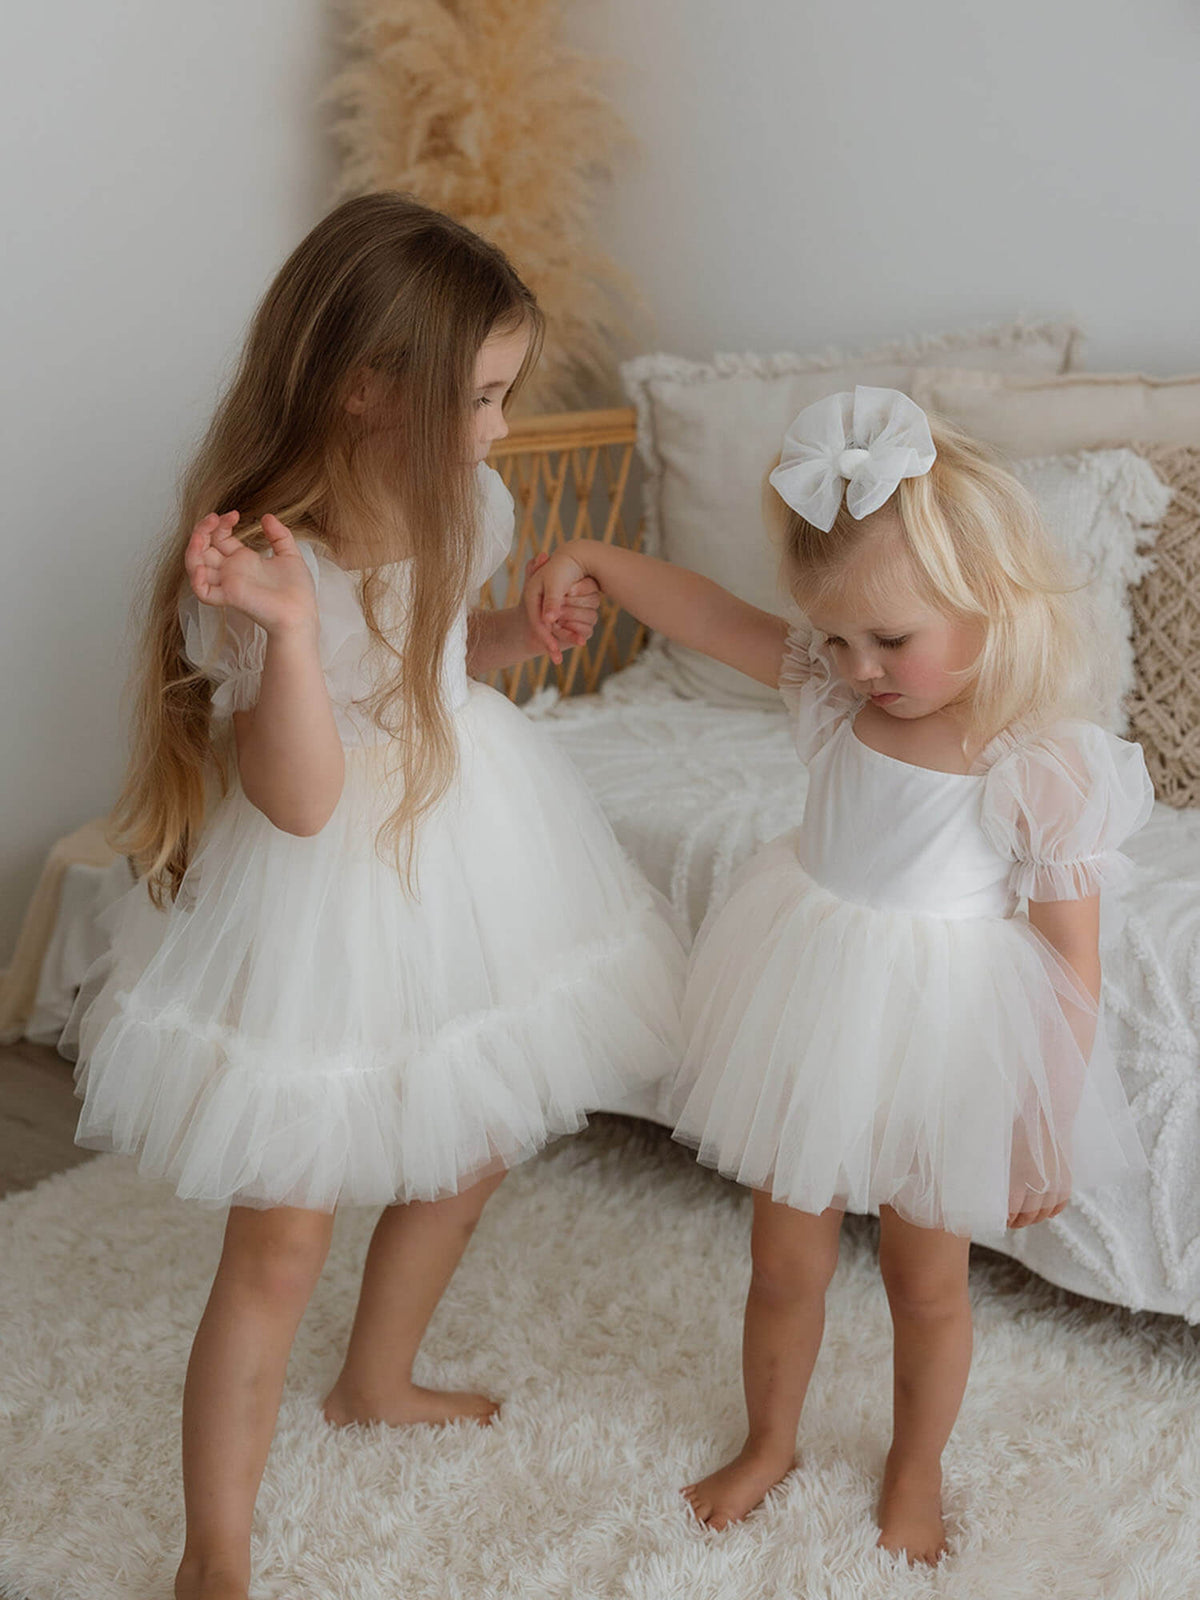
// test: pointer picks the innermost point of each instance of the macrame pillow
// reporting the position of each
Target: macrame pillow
(1164, 705)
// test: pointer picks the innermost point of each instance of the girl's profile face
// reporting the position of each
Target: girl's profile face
(894, 647)
(496, 367)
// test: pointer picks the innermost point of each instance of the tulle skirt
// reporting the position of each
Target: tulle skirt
(301, 1029)
(843, 1055)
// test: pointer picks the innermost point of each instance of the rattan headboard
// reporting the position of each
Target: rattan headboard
(572, 476)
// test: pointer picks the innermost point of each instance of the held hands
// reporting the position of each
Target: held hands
(277, 593)
(561, 603)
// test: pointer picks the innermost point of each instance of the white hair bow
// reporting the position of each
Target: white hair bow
(870, 437)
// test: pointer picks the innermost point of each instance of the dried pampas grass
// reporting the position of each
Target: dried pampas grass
(477, 108)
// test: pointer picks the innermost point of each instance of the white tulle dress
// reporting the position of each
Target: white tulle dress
(870, 1019)
(300, 1029)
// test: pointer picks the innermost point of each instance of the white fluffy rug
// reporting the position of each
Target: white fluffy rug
(601, 1297)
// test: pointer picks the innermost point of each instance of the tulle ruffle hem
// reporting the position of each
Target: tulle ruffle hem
(845, 1055)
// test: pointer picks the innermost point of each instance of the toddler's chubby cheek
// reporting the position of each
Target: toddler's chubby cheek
(925, 678)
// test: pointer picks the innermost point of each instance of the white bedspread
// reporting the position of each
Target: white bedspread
(693, 789)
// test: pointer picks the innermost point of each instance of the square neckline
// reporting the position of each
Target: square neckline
(897, 761)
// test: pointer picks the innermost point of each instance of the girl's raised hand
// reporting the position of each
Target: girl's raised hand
(277, 593)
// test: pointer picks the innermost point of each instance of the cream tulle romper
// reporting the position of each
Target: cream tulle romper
(870, 1019)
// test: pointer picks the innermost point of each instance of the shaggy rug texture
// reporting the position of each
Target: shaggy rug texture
(601, 1297)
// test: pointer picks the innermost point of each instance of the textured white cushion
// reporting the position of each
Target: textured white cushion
(1103, 507)
(708, 433)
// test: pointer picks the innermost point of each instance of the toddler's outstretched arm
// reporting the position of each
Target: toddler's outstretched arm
(290, 757)
(672, 600)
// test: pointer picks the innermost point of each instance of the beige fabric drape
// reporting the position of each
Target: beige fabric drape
(18, 986)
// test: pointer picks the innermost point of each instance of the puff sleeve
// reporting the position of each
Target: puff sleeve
(228, 648)
(816, 698)
(1061, 804)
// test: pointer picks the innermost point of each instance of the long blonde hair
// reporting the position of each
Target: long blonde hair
(980, 553)
(385, 286)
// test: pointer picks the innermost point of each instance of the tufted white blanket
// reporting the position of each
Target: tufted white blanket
(693, 790)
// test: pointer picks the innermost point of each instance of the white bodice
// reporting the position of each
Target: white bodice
(1040, 815)
(882, 833)
(392, 614)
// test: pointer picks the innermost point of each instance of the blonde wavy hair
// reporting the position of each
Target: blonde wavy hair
(385, 286)
(973, 545)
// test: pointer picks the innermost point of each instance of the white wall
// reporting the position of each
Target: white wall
(814, 171)
(810, 173)
(160, 158)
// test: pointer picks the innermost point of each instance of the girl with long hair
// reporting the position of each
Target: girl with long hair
(384, 944)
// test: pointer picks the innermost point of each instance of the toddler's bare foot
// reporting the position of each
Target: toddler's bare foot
(411, 1404)
(910, 1513)
(728, 1494)
(194, 1583)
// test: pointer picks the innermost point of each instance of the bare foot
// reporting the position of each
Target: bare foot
(409, 1405)
(728, 1494)
(192, 1583)
(910, 1514)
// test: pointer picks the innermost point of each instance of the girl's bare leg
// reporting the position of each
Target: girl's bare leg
(794, 1255)
(269, 1265)
(414, 1251)
(925, 1274)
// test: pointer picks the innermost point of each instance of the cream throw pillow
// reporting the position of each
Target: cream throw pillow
(708, 433)
(1051, 416)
